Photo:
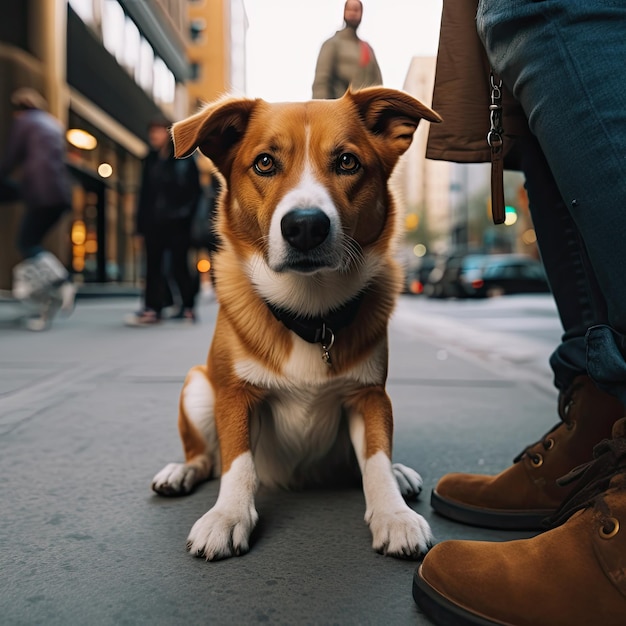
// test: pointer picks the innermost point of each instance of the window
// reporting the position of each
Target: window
(197, 27)
(164, 82)
(84, 10)
(113, 28)
(144, 74)
(195, 69)
(131, 45)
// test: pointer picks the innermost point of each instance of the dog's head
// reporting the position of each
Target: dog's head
(306, 182)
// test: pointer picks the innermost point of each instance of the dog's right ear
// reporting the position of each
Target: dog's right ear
(216, 130)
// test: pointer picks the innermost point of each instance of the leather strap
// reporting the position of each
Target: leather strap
(495, 141)
(497, 186)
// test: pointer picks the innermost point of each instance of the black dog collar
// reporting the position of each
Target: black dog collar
(320, 329)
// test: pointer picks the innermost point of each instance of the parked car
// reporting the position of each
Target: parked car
(509, 274)
(453, 276)
(417, 276)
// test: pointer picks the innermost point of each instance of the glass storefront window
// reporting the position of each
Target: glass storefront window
(113, 22)
(84, 10)
(164, 82)
(132, 42)
(145, 69)
(103, 210)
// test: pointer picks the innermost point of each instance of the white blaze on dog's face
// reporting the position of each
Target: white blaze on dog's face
(306, 182)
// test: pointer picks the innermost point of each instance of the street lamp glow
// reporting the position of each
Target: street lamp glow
(419, 250)
(105, 170)
(510, 216)
(81, 139)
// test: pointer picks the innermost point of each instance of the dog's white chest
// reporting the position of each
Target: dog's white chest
(295, 429)
(307, 367)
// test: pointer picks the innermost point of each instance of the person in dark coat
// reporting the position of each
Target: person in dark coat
(168, 198)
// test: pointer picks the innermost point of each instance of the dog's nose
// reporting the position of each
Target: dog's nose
(305, 229)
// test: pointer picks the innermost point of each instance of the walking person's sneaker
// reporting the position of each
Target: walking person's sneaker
(185, 315)
(522, 496)
(48, 306)
(37, 323)
(147, 317)
(573, 574)
(68, 297)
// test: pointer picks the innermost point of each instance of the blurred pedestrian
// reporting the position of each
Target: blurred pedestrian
(563, 61)
(168, 199)
(35, 156)
(345, 60)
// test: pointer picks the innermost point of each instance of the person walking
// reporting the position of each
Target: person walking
(345, 60)
(35, 154)
(168, 199)
(561, 66)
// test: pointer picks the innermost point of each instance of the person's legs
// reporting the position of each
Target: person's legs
(41, 270)
(179, 248)
(34, 226)
(523, 495)
(579, 300)
(155, 250)
(564, 60)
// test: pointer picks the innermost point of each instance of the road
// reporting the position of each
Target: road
(515, 332)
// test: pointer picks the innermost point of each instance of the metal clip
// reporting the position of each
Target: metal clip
(327, 344)
(494, 137)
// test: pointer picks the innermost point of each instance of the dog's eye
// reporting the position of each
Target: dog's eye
(265, 165)
(348, 164)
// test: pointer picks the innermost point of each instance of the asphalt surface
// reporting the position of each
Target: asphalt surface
(88, 416)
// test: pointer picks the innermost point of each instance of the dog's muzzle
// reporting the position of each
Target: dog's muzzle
(305, 229)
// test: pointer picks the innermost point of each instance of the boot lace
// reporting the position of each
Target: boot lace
(566, 401)
(594, 478)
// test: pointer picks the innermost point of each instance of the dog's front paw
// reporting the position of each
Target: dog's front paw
(404, 533)
(175, 479)
(409, 481)
(220, 534)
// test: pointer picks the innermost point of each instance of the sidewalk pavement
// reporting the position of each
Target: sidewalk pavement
(88, 416)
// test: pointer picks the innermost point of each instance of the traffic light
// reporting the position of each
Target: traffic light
(510, 215)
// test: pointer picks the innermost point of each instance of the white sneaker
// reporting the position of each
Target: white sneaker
(26, 280)
(37, 324)
(36, 276)
(68, 297)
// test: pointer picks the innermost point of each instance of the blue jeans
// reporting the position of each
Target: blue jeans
(565, 62)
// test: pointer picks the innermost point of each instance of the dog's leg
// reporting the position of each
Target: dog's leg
(225, 530)
(196, 426)
(396, 529)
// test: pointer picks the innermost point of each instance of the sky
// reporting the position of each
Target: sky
(284, 38)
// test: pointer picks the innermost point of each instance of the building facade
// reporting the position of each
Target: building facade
(216, 50)
(425, 184)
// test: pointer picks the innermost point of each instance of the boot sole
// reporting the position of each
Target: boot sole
(441, 610)
(489, 518)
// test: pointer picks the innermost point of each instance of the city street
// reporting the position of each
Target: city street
(88, 416)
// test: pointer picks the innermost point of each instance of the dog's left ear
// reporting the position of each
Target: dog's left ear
(392, 114)
(216, 130)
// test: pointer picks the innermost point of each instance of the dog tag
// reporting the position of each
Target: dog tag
(326, 356)
(328, 339)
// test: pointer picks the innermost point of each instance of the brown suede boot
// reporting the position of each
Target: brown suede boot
(522, 496)
(573, 575)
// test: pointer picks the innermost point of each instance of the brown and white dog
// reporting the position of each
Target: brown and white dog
(293, 392)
